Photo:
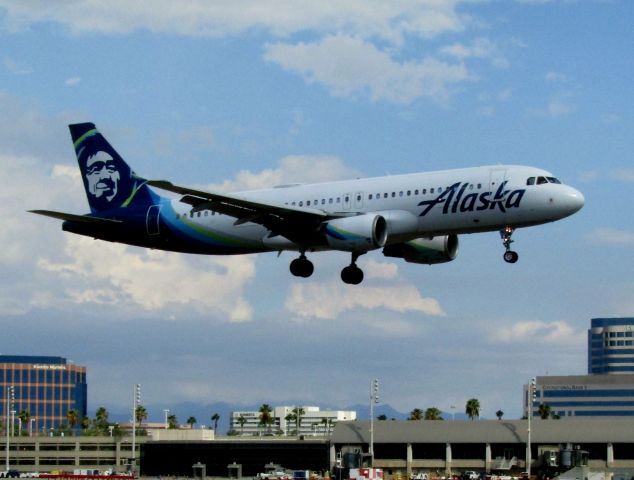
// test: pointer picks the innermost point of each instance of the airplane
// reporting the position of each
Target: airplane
(416, 217)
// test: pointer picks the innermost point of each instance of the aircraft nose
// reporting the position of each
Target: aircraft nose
(573, 200)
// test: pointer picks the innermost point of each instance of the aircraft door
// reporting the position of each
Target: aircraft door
(496, 178)
(152, 221)
(358, 200)
(346, 201)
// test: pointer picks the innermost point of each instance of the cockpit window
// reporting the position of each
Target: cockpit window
(553, 180)
(541, 180)
(530, 181)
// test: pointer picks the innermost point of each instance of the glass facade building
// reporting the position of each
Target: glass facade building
(584, 395)
(44, 387)
(611, 346)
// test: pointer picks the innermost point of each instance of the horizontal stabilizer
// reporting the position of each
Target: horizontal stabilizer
(74, 218)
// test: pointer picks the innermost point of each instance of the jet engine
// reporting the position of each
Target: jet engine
(425, 250)
(356, 234)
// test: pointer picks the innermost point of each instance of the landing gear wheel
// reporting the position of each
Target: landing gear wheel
(352, 275)
(302, 267)
(510, 256)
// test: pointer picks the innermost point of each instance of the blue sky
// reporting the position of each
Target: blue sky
(237, 95)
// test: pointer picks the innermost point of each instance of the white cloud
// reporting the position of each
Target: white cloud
(367, 18)
(292, 169)
(107, 273)
(556, 107)
(330, 300)
(557, 332)
(555, 77)
(623, 174)
(481, 48)
(611, 237)
(351, 66)
(14, 68)
(72, 82)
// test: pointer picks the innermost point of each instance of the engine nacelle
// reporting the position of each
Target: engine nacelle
(358, 233)
(425, 250)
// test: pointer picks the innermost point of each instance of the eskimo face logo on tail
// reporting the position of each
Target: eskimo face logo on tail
(454, 200)
(102, 176)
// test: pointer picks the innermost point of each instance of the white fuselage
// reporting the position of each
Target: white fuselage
(414, 205)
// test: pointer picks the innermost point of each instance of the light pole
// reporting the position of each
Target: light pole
(530, 398)
(31, 422)
(135, 402)
(374, 398)
(166, 411)
(8, 407)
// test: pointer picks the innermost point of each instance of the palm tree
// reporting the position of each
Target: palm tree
(298, 412)
(172, 422)
(73, 417)
(141, 414)
(544, 411)
(242, 420)
(289, 418)
(101, 419)
(191, 421)
(472, 408)
(24, 417)
(433, 413)
(85, 423)
(416, 414)
(266, 419)
(499, 414)
(214, 418)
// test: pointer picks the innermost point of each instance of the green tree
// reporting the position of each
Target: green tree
(266, 419)
(214, 418)
(433, 413)
(499, 414)
(298, 413)
(172, 422)
(25, 418)
(241, 421)
(140, 414)
(85, 424)
(191, 421)
(416, 414)
(101, 420)
(472, 408)
(544, 411)
(382, 417)
(73, 418)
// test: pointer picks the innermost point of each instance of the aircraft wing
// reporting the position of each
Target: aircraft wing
(74, 218)
(297, 224)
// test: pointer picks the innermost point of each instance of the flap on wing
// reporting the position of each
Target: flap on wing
(74, 218)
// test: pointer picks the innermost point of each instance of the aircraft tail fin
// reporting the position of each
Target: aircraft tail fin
(109, 181)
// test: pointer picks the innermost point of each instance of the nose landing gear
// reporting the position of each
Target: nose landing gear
(509, 255)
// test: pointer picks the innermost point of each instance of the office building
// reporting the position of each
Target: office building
(312, 421)
(584, 395)
(43, 389)
(611, 346)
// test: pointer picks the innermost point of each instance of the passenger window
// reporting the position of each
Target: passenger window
(338, 199)
(479, 186)
(530, 181)
(385, 195)
(323, 201)
(301, 204)
(370, 197)
(358, 198)
(206, 213)
(191, 214)
(293, 203)
(409, 192)
(431, 190)
(308, 203)
(400, 194)
(330, 201)
(198, 215)
(393, 194)
(416, 192)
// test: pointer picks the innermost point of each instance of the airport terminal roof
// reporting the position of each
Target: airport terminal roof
(486, 431)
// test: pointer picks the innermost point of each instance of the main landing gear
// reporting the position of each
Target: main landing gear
(352, 275)
(302, 267)
(509, 256)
